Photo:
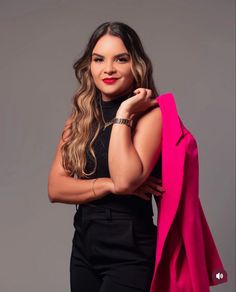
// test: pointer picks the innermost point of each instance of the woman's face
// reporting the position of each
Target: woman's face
(110, 59)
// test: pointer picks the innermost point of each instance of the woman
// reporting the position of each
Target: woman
(112, 143)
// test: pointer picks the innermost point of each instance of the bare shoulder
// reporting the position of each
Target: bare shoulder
(148, 120)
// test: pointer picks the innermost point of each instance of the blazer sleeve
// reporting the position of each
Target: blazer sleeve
(202, 256)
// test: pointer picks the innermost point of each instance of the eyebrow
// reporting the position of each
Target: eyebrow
(119, 55)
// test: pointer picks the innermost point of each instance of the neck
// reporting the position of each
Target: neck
(107, 98)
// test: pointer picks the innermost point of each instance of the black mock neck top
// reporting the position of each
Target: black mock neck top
(117, 202)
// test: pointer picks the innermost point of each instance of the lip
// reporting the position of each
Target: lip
(109, 80)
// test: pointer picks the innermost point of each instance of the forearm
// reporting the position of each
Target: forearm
(125, 165)
(64, 189)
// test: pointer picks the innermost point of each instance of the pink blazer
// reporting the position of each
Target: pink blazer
(186, 255)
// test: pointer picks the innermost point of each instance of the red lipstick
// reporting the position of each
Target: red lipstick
(110, 80)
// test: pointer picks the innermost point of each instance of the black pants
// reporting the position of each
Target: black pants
(112, 251)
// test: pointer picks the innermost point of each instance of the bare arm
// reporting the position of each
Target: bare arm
(132, 157)
(65, 189)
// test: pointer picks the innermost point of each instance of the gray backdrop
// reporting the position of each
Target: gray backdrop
(191, 45)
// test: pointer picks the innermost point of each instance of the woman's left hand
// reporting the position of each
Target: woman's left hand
(140, 102)
(152, 186)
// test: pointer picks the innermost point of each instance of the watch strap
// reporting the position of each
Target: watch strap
(127, 122)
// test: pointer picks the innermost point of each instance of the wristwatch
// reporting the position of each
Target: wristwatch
(126, 122)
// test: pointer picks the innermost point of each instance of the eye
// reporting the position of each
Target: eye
(97, 59)
(122, 59)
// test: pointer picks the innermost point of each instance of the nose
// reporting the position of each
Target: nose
(109, 68)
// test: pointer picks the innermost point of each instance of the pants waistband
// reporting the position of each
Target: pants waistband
(93, 211)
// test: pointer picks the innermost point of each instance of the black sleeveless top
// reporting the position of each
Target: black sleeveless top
(124, 202)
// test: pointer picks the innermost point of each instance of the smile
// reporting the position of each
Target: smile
(110, 80)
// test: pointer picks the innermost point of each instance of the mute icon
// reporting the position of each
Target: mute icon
(219, 276)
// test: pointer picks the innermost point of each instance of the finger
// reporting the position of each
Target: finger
(138, 90)
(155, 180)
(141, 91)
(152, 190)
(147, 189)
(157, 187)
(154, 186)
(149, 92)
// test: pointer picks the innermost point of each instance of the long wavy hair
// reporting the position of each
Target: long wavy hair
(85, 118)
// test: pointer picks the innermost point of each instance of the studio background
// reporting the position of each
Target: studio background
(191, 45)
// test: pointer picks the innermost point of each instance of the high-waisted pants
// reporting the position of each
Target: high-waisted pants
(112, 251)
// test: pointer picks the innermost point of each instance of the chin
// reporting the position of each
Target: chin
(111, 94)
(111, 91)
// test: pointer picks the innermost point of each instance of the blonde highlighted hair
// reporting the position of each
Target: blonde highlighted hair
(85, 118)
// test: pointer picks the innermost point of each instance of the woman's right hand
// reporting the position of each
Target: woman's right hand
(151, 186)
